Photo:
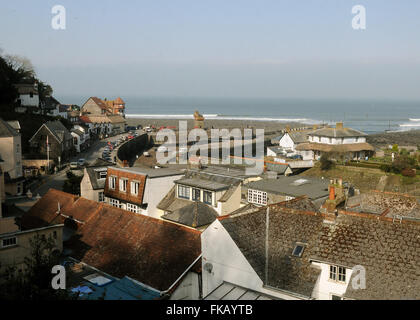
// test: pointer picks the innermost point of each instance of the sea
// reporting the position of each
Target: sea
(369, 116)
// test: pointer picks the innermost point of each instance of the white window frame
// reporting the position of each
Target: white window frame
(112, 182)
(134, 188)
(211, 197)
(123, 184)
(184, 192)
(257, 197)
(9, 245)
(133, 208)
(337, 274)
(114, 202)
(101, 196)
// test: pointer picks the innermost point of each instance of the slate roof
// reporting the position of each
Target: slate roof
(203, 183)
(337, 133)
(386, 203)
(6, 130)
(388, 250)
(285, 271)
(390, 253)
(58, 130)
(277, 167)
(195, 214)
(324, 147)
(50, 103)
(314, 188)
(118, 242)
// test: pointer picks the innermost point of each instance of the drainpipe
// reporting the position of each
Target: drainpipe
(181, 276)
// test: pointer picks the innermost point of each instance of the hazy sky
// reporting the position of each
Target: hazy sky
(239, 48)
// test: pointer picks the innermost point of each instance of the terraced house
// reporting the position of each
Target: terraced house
(139, 190)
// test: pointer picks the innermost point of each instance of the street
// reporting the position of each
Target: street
(56, 181)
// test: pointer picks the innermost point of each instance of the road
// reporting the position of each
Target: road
(56, 181)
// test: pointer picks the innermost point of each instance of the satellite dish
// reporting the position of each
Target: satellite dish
(208, 267)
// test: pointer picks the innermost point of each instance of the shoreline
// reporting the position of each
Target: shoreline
(378, 139)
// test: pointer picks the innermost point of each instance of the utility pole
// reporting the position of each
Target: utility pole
(267, 224)
(48, 155)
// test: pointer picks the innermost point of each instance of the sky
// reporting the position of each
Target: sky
(211, 48)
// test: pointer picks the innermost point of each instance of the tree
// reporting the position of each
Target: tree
(35, 282)
(326, 163)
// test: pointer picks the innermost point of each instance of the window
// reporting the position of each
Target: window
(134, 188)
(112, 182)
(123, 185)
(196, 194)
(114, 203)
(338, 273)
(298, 250)
(31, 94)
(257, 197)
(335, 297)
(101, 197)
(55, 234)
(133, 208)
(8, 242)
(183, 192)
(102, 174)
(208, 197)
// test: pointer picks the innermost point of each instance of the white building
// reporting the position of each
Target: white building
(139, 190)
(339, 141)
(28, 97)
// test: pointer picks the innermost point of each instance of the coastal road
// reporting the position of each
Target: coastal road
(56, 181)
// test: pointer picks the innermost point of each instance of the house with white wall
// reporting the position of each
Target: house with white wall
(139, 190)
(217, 189)
(11, 153)
(289, 252)
(338, 142)
(28, 98)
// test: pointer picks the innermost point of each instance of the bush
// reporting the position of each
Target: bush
(326, 163)
(408, 172)
(385, 167)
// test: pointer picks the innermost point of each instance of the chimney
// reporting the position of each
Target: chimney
(315, 126)
(332, 193)
(339, 125)
(287, 128)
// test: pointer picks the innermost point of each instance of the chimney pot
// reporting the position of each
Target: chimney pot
(339, 125)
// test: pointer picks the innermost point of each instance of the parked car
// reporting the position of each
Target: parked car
(74, 166)
(81, 162)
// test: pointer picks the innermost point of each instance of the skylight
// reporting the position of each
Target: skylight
(299, 182)
(298, 250)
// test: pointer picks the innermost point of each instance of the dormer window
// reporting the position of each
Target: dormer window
(338, 273)
(112, 182)
(134, 188)
(123, 185)
(196, 194)
(183, 192)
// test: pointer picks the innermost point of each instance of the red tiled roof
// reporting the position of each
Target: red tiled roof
(85, 119)
(127, 196)
(119, 101)
(122, 243)
(101, 104)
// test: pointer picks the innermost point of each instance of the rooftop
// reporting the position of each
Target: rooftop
(195, 214)
(337, 132)
(295, 186)
(387, 249)
(121, 243)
